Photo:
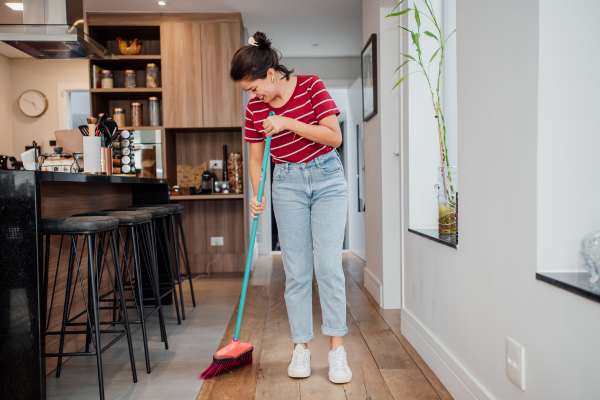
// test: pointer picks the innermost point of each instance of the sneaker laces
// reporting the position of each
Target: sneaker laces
(339, 359)
(299, 356)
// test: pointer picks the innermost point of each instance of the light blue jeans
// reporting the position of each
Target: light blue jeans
(310, 202)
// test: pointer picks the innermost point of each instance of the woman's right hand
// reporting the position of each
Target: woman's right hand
(255, 207)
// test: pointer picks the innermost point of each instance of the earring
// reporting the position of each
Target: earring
(272, 79)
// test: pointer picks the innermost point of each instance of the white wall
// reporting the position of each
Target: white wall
(382, 182)
(50, 77)
(461, 304)
(569, 132)
(357, 228)
(6, 133)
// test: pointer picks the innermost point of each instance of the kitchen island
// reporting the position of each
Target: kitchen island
(25, 198)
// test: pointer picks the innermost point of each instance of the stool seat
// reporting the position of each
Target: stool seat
(79, 225)
(126, 218)
(156, 211)
(175, 208)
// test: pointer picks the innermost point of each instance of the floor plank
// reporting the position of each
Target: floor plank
(384, 368)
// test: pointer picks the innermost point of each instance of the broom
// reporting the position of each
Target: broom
(237, 353)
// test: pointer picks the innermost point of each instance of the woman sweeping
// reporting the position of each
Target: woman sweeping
(309, 193)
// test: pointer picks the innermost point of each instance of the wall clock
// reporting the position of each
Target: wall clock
(33, 103)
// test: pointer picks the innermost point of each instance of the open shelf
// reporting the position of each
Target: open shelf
(187, 197)
(139, 57)
(127, 90)
(140, 128)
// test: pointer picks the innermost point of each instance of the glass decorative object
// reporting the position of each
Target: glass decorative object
(590, 249)
(447, 201)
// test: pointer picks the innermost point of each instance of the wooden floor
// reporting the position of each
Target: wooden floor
(384, 364)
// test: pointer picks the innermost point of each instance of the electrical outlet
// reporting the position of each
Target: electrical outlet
(217, 241)
(215, 164)
(515, 363)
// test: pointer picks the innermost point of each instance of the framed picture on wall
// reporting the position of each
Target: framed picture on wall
(368, 67)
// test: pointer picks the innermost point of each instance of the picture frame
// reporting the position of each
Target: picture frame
(368, 73)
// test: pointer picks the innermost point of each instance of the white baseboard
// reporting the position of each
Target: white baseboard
(461, 384)
(373, 285)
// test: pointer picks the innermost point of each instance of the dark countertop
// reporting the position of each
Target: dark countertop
(88, 178)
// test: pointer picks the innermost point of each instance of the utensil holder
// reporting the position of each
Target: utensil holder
(92, 163)
(106, 162)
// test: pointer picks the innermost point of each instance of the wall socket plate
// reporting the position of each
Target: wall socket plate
(215, 164)
(217, 241)
(515, 362)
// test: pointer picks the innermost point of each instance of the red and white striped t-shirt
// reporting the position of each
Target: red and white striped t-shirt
(309, 103)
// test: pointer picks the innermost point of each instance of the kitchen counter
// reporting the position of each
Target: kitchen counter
(25, 198)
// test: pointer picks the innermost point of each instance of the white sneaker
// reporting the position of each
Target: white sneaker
(339, 371)
(300, 365)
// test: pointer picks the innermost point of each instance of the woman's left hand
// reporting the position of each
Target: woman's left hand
(274, 124)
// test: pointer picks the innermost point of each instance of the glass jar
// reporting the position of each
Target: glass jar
(119, 116)
(130, 78)
(106, 80)
(136, 114)
(447, 199)
(151, 75)
(154, 111)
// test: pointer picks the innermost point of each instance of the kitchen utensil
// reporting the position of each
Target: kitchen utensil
(84, 129)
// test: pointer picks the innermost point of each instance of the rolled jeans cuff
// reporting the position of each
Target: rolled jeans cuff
(334, 332)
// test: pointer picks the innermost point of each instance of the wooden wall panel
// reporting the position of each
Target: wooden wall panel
(205, 218)
(222, 105)
(181, 44)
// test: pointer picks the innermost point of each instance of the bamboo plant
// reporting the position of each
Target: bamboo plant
(434, 79)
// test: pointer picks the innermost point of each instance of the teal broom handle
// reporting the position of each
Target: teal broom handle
(261, 188)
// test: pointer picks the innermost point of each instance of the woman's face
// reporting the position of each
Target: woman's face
(261, 89)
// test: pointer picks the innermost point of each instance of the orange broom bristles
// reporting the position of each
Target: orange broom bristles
(235, 354)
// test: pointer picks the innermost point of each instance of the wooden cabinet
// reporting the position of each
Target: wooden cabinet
(181, 44)
(198, 92)
(222, 99)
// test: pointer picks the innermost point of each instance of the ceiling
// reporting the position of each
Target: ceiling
(294, 26)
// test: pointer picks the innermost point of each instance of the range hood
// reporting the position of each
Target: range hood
(49, 29)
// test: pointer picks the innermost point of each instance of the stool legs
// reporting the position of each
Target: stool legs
(140, 294)
(174, 245)
(165, 250)
(188, 271)
(115, 254)
(93, 322)
(149, 246)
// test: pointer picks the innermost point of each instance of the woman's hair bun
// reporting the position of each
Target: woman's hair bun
(261, 40)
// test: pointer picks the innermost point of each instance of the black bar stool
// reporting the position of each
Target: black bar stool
(160, 219)
(177, 248)
(95, 231)
(178, 234)
(137, 231)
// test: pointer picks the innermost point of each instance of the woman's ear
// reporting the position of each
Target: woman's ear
(271, 75)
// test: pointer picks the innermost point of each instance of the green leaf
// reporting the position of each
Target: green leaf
(417, 18)
(451, 34)
(415, 40)
(435, 53)
(399, 81)
(406, 29)
(402, 65)
(398, 4)
(431, 34)
(409, 57)
(431, 12)
(397, 13)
